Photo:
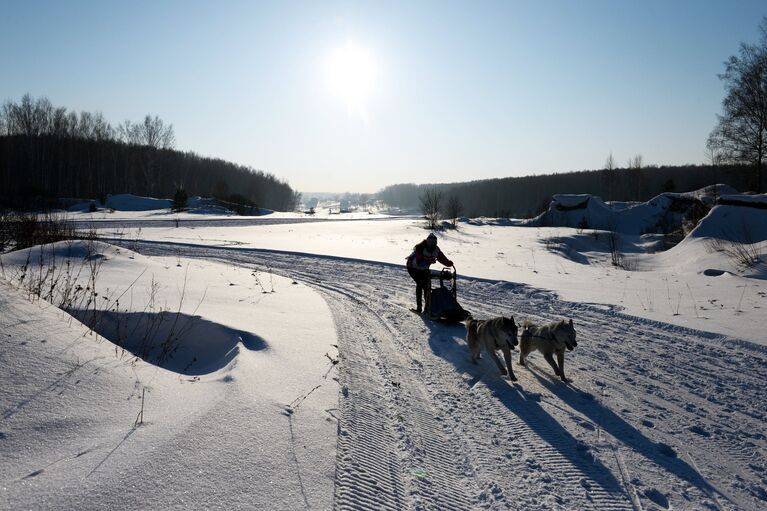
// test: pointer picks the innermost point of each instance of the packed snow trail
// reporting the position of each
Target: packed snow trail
(656, 417)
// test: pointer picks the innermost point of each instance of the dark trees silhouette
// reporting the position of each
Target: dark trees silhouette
(49, 153)
(523, 197)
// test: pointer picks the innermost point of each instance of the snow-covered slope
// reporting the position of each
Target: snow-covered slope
(241, 417)
(662, 214)
(740, 218)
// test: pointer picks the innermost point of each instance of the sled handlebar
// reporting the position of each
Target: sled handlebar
(448, 272)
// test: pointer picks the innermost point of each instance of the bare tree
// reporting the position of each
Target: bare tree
(715, 159)
(157, 134)
(741, 132)
(610, 168)
(453, 208)
(431, 204)
(635, 166)
(29, 117)
(60, 123)
(153, 132)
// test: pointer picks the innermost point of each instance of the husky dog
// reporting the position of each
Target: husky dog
(492, 334)
(548, 339)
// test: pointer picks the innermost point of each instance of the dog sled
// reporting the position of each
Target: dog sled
(442, 302)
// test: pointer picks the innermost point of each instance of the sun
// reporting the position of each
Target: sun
(351, 74)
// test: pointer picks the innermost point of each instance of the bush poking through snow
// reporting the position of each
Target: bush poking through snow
(743, 252)
(66, 275)
(613, 242)
(257, 275)
(23, 230)
(742, 255)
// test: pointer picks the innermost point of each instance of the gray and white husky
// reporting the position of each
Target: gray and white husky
(549, 339)
(492, 334)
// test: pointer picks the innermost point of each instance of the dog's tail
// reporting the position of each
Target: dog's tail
(471, 326)
(527, 328)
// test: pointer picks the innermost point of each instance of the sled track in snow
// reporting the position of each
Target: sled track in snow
(423, 428)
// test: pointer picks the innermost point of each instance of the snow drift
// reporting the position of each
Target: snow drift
(662, 214)
(738, 218)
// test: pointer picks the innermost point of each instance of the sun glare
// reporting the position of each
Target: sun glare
(350, 74)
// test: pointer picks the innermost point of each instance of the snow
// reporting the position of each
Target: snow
(741, 224)
(666, 409)
(758, 199)
(218, 415)
(679, 286)
(662, 214)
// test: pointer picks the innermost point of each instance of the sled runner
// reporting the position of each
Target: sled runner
(442, 302)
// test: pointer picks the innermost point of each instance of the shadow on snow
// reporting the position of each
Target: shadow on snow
(178, 342)
(443, 340)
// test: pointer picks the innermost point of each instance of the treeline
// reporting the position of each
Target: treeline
(48, 153)
(525, 197)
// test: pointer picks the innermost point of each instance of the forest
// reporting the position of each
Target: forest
(49, 153)
(525, 197)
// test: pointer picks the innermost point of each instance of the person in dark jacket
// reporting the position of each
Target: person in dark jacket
(424, 255)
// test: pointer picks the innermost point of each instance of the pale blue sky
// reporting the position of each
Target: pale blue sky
(464, 90)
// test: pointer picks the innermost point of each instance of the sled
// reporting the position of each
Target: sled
(442, 302)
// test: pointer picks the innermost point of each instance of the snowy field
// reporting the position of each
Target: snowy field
(300, 379)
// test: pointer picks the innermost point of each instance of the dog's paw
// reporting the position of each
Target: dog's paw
(565, 380)
(513, 378)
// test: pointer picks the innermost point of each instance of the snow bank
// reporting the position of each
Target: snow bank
(222, 431)
(196, 205)
(755, 201)
(662, 214)
(735, 219)
(128, 202)
(125, 202)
